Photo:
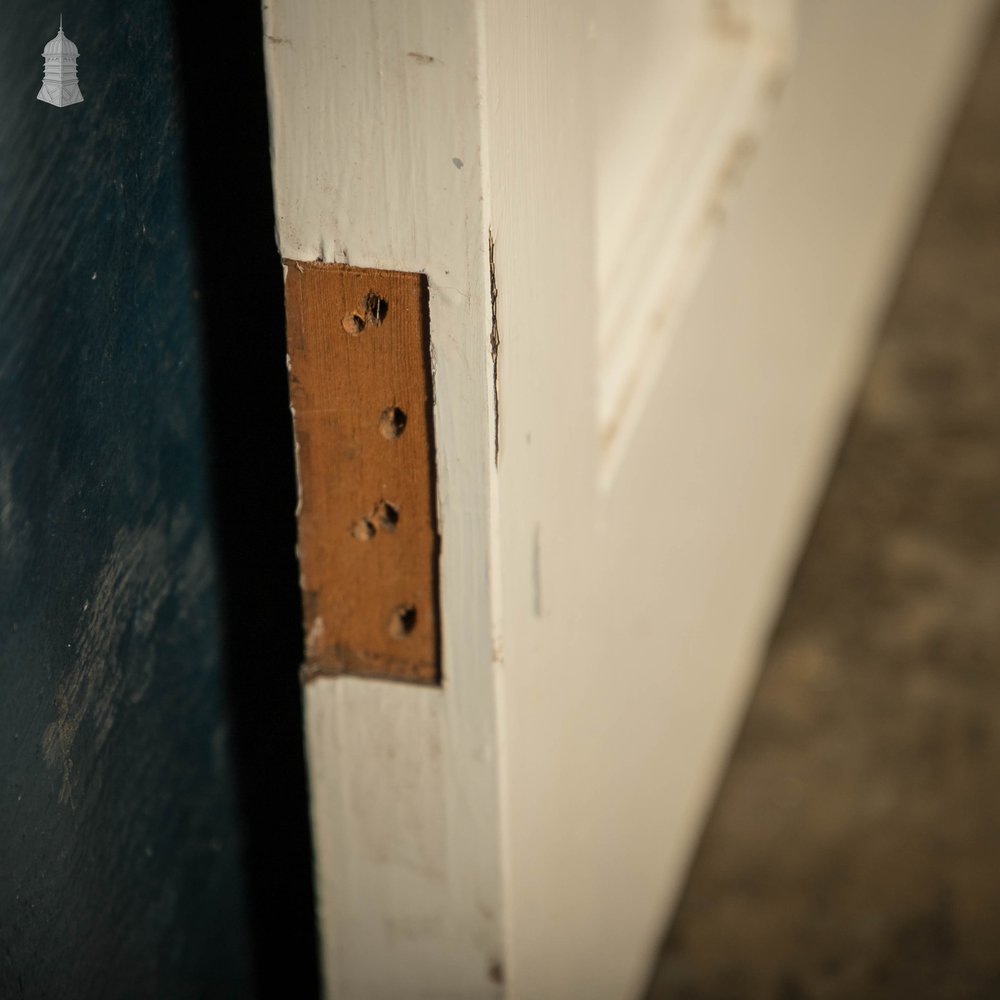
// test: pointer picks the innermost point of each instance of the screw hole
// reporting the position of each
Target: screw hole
(392, 422)
(375, 309)
(353, 323)
(363, 530)
(403, 621)
(387, 515)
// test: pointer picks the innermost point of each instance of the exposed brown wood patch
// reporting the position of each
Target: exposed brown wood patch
(359, 373)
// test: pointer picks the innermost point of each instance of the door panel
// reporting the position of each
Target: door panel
(153, 831)
(627, 453)
(683, 92)
(121, 872)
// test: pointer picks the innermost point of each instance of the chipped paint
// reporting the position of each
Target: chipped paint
(494, 352)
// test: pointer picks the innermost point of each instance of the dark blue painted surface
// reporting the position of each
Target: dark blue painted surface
(143, 811)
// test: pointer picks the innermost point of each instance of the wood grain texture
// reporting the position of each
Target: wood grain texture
(124, 847)
(359, 373)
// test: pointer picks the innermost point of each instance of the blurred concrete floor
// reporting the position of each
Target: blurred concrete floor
(854, 849)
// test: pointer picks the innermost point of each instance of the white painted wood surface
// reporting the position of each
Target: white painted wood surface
(684, 92)
(531, 820)
(376, 136)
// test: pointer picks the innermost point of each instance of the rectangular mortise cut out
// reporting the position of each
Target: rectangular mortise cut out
(360, 383)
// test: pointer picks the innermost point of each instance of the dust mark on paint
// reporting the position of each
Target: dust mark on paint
(729, 177)
(402, 929)
(136, 579)
(728, 21)
(536, 571)
(496, 973)
(419, 57)
(278, 41)
(494, 352)
(775, 81)
(458, 163)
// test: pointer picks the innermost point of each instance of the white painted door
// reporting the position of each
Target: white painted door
(656, 235)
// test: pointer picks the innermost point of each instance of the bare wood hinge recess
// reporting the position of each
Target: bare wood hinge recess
(360, 382)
